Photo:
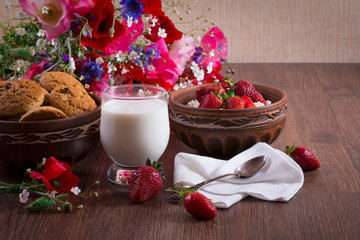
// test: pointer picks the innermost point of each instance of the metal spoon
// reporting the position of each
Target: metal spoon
(247, 169)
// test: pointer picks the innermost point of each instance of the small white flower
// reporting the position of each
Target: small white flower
(120, 56)
(43, 161)
(111, 68)
(154, 20)
(193, 103)
(162, 33)
(212, 53)
(133, 55)
(124, 70)
(20, 31)
(210, 67)
(99, 60)
(45, 9)
(71, 68)
(151, 68)
(41, 33)
(268, 102)
(80, 206)
(32, 51)
(75, 190)
(86, 86)
(259, 104)
(24, 196)
(198, 73)
(129, 22)
(52, 194)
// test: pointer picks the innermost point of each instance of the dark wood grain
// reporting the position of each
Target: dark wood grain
(323, 114)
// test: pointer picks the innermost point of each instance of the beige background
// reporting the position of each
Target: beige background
(280, 30)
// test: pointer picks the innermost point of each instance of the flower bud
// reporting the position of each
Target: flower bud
(66, 207)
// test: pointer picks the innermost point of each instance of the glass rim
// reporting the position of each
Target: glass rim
(162, 92)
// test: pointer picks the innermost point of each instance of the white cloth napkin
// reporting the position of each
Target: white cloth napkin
(278, 181)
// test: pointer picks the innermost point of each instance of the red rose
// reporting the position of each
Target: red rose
(170, 29)
(101, 20)
(57, 176)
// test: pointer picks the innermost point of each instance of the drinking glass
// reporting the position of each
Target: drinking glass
(134, 126)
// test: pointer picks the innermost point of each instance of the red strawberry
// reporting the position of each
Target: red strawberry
(198, 205)
(304, 157)
(207, 89)
(211, 101)
(145, 182)
(235, 102)
(248, 102)
(244, 88)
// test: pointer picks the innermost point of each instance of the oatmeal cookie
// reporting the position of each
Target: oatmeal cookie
(43, 113)
(20, 96)
(71, 101)
(51, 80)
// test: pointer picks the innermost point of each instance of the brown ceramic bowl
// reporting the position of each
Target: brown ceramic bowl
(224, 133)
(23, 144)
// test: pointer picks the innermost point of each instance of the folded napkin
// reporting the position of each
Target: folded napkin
(278, 181)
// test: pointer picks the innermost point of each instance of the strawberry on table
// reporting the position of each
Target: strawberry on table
(198, 205)
(146, 182)
(207, 89)
(304, 157)
(244, 88)
(235, 102)
(211, 101)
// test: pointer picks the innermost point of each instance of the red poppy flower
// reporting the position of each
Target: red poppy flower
(57, 176)
(101, 20)
(164, 22)
(152, 6)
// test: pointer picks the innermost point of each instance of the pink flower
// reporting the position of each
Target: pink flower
(98, 87)
(214, 40)
(34, 70)
(127, 38)
(81, 6)
(181, 51)
(52, 14)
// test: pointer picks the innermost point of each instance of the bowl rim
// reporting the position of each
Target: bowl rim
(276, 104)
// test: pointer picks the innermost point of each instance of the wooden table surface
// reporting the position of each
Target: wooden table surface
(323, 114)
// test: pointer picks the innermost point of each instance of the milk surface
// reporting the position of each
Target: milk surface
(134, 130)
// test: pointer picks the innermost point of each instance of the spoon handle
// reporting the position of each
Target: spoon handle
(199, 185)
(176, 198)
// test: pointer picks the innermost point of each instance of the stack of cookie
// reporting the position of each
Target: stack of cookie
(58, 95)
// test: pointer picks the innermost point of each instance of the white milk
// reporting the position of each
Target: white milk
(134, 130)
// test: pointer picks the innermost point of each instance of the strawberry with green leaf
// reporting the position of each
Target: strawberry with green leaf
(303, 156)
(198, 205)
(146, 182)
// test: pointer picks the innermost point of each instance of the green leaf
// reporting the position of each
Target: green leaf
(39, 204)
(19, 53)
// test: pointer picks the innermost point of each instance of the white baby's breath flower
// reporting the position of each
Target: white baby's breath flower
(120, 56)
(32, 51)
(111, 68)
(267, 102)
(41, 33)
(212, 53)
(259, 104)
(43, 161)
(210, 67)
(24, 196)
(20, 31)
(80, 206)
(198, 73)
(71, 68)
(86, 86)
(151, 68)
(52, 194)
(99, 60)
(133, 55)
(162, 33)
(124, 70)
(75, 190)
(129, 22)
(193, 103)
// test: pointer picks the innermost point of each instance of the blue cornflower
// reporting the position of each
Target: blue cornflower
(91, 71)
(144, 57)
(132, 8)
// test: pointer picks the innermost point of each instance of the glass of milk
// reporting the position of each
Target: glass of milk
(134, 126)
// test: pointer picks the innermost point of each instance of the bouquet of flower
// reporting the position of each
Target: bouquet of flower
(102, 44)
(55, 185)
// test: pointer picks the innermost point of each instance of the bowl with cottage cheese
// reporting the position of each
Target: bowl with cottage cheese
(223, 133)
